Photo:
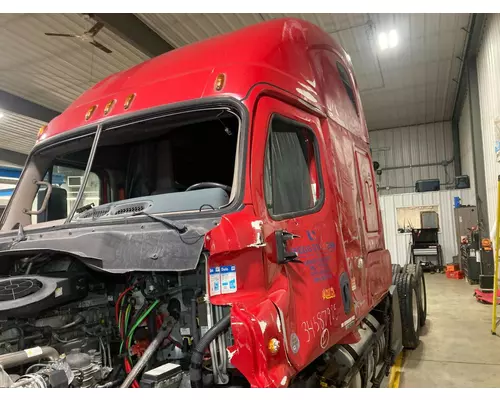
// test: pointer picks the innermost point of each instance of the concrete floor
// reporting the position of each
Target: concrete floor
(456, 347)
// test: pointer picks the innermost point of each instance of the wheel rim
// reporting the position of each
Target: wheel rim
(415, 311)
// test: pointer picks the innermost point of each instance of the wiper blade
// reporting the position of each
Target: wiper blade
(164, 221)
(85, 208)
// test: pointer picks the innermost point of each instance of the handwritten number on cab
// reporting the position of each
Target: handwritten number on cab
(322, 320)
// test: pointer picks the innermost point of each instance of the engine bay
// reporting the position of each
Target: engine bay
(63, 324)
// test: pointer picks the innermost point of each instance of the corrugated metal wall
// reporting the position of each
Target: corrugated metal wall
(488, 70)
(413, 145)
(466, 152)
(398, 243)
(18, 133)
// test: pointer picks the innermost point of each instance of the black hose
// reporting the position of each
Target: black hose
(115, 371)
(194, 319)
(198, 351)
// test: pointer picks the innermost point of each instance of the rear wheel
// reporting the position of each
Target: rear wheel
(416, 270)
(409, 304)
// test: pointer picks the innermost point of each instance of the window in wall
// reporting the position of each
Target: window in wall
(291, 179)
(344, 76)
(417, 217)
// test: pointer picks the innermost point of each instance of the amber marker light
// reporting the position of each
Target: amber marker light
(128, 101)
(109, 107)
(273, 346)
(90, 112)
(41, 133)
(220, 81)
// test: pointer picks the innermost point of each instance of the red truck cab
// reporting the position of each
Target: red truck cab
(298, 251)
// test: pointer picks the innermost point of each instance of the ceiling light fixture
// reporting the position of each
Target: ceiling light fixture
(393, 38)
(388, 41)
(383, 41)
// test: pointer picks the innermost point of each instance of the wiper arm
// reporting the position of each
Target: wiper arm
(164, 221)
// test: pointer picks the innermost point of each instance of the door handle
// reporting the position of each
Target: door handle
(283, 256)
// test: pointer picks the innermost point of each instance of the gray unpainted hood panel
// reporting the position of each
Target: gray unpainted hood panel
(120, 248)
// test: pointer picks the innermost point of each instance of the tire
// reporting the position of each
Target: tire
(409, 304)
(396, 270)
(416, 270)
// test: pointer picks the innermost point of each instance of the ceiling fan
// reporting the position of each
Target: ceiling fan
(87, 36)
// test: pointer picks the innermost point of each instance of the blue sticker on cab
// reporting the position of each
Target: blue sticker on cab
(228, 280)
(214, 274)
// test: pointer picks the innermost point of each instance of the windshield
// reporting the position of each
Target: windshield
(163, 165)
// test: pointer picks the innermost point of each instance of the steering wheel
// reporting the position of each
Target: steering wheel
(207, 185)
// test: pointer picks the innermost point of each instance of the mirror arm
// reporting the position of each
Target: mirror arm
(45, 200)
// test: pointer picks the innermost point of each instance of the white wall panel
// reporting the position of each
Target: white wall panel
(398, 243)
(466, 153)
(488, 70)
(413, 145)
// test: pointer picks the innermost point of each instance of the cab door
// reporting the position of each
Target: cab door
(305, 265)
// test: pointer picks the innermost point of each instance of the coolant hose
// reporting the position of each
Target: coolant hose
(153, 346)
(197, 356)
(34, 354)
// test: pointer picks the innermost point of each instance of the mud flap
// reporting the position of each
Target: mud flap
(397, 330)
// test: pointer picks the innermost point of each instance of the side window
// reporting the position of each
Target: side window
(344, 76)
(291, 177)
(70, 179)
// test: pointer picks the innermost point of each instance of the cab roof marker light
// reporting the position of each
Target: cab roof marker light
(41, 133)
(220, 81)
(128, 101)
(109, 106)
(90, 112)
